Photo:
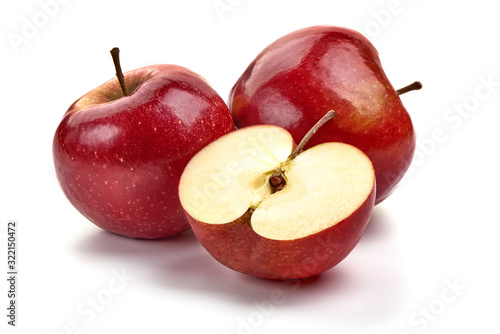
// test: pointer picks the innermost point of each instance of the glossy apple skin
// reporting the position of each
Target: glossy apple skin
(238, 247)
(297, 79)
(119, 161)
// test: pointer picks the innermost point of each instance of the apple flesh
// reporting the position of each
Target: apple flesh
(119, 158)
(299, 77)
(299, 230)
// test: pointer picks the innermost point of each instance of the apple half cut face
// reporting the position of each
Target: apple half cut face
(300, 228)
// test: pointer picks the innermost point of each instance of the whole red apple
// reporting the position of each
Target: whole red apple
(119, 158)
(294, 81)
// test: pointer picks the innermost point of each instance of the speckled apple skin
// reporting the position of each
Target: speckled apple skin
(119, 163)
(294, 81)
(238, 247)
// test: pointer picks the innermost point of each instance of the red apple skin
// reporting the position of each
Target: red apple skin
(297, 79)
(238, 247)
(119, 162)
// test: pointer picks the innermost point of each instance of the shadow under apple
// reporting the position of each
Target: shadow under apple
(379, 225)
(181, 262)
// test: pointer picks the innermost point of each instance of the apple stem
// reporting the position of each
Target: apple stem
(277, 179)
(115, 53)
(414, 86)
(328, 116)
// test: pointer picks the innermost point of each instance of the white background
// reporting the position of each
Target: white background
(428, 260)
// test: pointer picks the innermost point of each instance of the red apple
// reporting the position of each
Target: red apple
(266, 211)
(119, 158)
(296, 79)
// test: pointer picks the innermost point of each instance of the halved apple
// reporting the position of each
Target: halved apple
(263, 209)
